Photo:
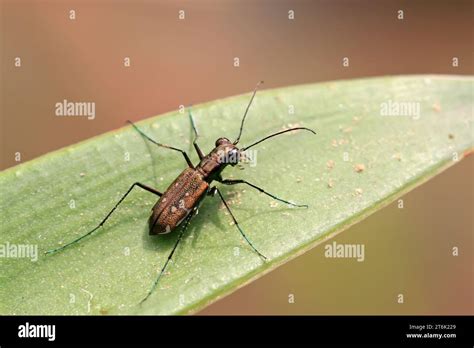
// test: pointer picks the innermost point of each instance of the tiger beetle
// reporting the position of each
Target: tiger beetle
(181, 200)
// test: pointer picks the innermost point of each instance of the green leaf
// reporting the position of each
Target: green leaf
(374, 160)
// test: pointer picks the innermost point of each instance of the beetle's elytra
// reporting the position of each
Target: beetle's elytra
(179, 203)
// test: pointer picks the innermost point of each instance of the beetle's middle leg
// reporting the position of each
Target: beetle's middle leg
(196, 135)
(212, 192)
(186, 157)
(240, 181)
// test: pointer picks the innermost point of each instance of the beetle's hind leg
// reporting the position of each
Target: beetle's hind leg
(181, 233)
(145, 187)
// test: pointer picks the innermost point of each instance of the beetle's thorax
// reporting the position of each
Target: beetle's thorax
(215, 162)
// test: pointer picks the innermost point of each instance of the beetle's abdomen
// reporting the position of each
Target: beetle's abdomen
(177, 201)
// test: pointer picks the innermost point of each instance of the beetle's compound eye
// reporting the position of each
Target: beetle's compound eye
(229, 155)
(222, 141)
(233, 157)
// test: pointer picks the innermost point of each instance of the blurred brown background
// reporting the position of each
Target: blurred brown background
(190, 61)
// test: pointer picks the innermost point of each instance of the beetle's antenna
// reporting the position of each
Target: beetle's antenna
(278, 133)
(245, 114)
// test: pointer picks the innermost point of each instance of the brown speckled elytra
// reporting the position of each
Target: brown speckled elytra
(180, 202)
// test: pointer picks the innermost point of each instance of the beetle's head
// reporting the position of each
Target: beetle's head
(228, 153)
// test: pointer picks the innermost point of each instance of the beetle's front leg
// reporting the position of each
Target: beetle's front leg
(240, 181)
